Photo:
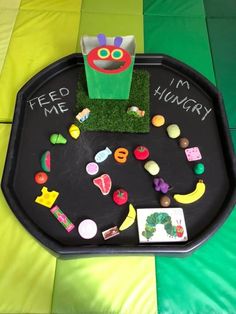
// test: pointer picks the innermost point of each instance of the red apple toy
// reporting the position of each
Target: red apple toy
(141, 153)
(120, 196)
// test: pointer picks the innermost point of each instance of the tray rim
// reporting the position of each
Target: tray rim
(182, 248)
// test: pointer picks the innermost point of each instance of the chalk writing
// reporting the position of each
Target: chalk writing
(51, 103)
(187, 103)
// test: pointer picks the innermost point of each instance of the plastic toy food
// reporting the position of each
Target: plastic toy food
(62, 218)
(199, 168)
(121, 155)
(87, 229)
(183, 142)
(46, 161)
(120, 196)
(161, 186)
(92, 168)
(40, 177)
(173, 131)
(58, 139)
(102, 155)
(129, 220)
(83, 115)
(193, 154)
(110, 233)
(141, 153)
(74, 131)
(47, 198)
(165, 201)
(193, 196)
(136, 112)
(152, 167)
(103, 183)
(158, 120)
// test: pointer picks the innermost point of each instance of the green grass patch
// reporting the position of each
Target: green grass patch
(111, 115)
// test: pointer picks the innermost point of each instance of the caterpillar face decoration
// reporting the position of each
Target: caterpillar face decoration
(109, 59)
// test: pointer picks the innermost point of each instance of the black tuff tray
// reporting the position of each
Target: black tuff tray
(80, 199)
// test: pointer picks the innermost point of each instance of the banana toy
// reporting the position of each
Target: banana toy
(129, 220)
(193, 196)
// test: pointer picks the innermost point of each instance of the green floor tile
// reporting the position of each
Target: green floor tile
(220, 8)
(203, 282)
(188, 8)
(180, 37)
(113, 7)
(222, 34)
(112, 25)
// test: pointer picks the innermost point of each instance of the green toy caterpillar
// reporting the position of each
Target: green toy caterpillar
(161, 218)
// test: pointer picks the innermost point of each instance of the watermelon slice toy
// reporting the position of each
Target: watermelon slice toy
(46, 161)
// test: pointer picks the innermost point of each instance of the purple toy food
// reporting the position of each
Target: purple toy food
(160, 185)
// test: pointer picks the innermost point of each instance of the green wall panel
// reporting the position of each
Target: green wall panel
(222, 34)
(188, 8)
(180, 37)
(220, 8)
(233, 136)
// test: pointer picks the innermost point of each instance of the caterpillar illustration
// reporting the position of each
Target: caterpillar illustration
(161, 218)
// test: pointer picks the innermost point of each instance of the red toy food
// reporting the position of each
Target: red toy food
(141, 153)
(120, 196)
(179, 231)
(40, 177)
(103, 183)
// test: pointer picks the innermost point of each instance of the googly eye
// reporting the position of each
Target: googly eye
(117, 54)
(103, 53)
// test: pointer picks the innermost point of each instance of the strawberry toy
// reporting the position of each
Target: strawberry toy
(120, 196)
(141, 153)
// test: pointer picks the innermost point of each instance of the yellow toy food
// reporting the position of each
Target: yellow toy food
(129, 220)
(193, 196)
(47, 198)
(74, 131)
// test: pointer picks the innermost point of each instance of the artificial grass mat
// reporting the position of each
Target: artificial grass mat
(111, 115)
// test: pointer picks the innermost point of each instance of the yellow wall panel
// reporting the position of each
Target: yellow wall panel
(7, 21)
(9, 4)
(52, 5)
(38, 39)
